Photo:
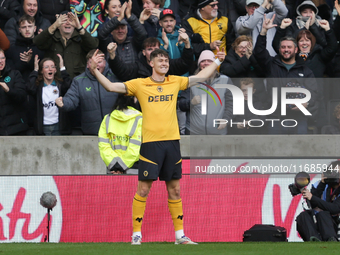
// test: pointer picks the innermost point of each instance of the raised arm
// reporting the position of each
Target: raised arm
(260, 52)
(280, 10)
(118, 87)
(208, 71)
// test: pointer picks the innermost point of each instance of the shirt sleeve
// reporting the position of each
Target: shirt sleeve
(183, 82)
(131, 87)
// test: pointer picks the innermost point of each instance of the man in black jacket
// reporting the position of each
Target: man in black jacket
(116, 30)
(292, 73)
(20, 55)
(141, 68)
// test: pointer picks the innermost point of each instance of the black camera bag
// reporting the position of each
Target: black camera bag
(265, 233)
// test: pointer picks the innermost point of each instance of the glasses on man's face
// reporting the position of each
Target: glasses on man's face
(213, 5)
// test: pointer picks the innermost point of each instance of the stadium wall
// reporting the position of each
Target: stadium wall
(94, 207)
(39, 155)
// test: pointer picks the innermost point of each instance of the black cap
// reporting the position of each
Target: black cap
(203, 3)
(166, 12)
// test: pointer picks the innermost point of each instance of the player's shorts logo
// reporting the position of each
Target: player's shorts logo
(146, 173)
(159, 89)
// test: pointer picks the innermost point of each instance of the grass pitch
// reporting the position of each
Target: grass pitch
(309, 248)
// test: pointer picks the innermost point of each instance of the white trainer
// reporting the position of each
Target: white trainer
(136, 240)
(184, 240)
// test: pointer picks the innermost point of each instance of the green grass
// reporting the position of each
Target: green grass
(169, 248)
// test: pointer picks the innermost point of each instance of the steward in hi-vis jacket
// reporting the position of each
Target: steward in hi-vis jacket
(120, 136)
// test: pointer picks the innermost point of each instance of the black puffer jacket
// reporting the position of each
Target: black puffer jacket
(13, 56)
(12, 110)
(274, 68)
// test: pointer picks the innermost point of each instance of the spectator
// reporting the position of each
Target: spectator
(289, 69)
(249, 123)
(19, 55)
(69, 39)
(4, 42)
(325, 203)
(94, 101)
(168, 37)
(141, 68)
(120, 136)
(169, 34)
(240, 62)
(168, 4)
(251, 24)
(12, 99)
(46, 87)
(190, 102)
(111, 9)
(326, 7)
(50, 8)
(149, 17)
(307, 19)
(116, 30)
(316, 58)
(208, 29)
(8, 9)
(31, 8)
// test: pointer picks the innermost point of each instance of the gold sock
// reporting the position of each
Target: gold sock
(176, 211)
(138, 209)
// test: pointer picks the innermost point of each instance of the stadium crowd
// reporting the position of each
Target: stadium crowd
(47, 87)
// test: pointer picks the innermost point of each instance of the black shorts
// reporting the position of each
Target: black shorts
(160, 160)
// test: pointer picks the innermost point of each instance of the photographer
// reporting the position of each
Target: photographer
(325, 202)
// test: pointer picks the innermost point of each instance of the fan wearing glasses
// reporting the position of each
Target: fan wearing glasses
(208, 29)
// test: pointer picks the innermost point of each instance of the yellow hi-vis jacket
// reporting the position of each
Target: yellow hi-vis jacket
(119, 138)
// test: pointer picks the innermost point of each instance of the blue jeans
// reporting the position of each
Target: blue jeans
(51, 129)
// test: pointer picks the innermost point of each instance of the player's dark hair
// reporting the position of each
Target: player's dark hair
(159, 52)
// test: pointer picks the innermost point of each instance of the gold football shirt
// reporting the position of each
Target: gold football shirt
(158, 102)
